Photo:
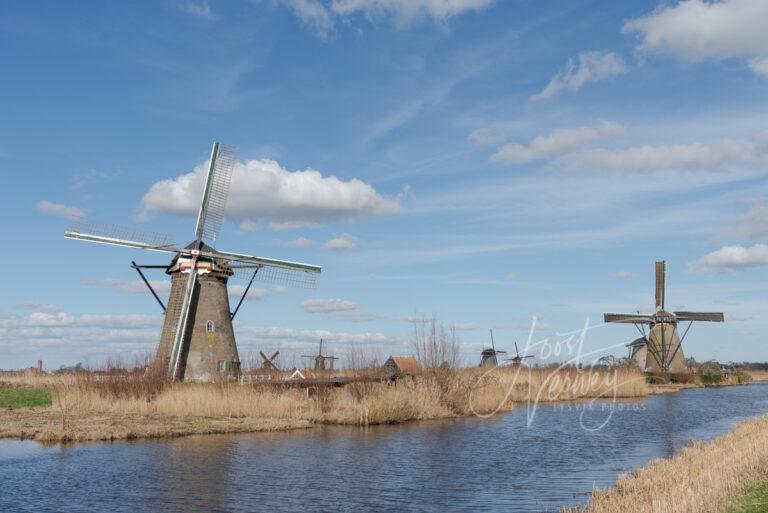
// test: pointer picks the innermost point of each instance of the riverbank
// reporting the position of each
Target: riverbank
(84, 409)
(711, 477)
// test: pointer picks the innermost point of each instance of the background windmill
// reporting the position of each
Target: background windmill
(198, 341)
(518, 358)
(488, 356)
(269, 364)
(322, 362)
(660, 348)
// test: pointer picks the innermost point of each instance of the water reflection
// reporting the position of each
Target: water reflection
(495, 464)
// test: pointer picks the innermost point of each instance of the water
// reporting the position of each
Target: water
(472, 464)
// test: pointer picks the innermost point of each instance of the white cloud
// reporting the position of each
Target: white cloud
(313, 14)
(622, 275)
(199, 9)
(261, 334)
(731, 258)
(163, 287)
(263, 194)
(65, 338)
(301, 242)
(406, 11)
(754, 222)
(59, 209)
(486, 136)
(341, 242)
(328, 305)
(558, 142)
(696, 31)
(60, 337)
(682, 157)
(321, 15)
(360, 317)
(591, 67)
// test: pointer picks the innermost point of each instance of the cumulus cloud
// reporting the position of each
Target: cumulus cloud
(589, 67)
(341, 242)
(320, 15)
(59, 210)
(558, 142)
(731, 258)
(263, 194)
(301, 242)
(696, 31)
(328, 305)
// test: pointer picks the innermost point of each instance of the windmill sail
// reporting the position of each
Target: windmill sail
(181, 326)
(108, 233)
(661, 271)
(214, 201)
(700, 316)
(279, 272)
(628, 318)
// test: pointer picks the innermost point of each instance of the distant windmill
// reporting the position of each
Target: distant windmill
(321, 359)
(660, 350)
(198, 341)
(518, 358)
(488, 356)
(269, 363)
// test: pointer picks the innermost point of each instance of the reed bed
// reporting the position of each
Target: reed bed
(703, 478)
(438, 393)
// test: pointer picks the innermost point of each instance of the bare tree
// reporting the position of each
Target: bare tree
(433, 343)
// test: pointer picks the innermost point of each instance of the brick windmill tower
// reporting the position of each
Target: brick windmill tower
(660, 348)
(198, 342)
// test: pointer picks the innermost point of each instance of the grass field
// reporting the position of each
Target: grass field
(24, 398)
(755, 500)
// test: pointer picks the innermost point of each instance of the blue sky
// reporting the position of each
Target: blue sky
(483, 161)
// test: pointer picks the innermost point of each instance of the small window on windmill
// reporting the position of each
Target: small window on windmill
(210, 327)
(222, 365)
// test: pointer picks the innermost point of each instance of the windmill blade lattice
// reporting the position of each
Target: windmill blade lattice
(214, 202)
(108, 233)
(277, 276)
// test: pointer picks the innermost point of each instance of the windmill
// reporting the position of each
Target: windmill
(320, 359)
(660, 348)
(518, 358)
(197, 340)
(268, 364)
(488, 355)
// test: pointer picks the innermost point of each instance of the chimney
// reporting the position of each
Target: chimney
(40, 366)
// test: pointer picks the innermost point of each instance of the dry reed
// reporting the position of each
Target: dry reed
(703, 478)
(439, 393)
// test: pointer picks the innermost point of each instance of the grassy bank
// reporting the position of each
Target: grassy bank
(139, 406)
(703, 478)
(22, 397)
(754, 500)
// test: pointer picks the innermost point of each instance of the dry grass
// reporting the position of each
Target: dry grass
(704, 478)
(86, 407)
(756, 375)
